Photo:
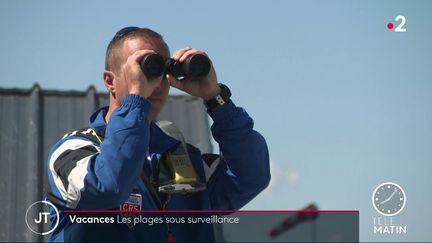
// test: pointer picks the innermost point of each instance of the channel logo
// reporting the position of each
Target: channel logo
(400, 21)
(37, 217)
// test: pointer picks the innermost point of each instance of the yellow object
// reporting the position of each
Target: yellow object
(180, 166)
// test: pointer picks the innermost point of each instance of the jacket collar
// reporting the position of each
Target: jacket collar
(159, 141)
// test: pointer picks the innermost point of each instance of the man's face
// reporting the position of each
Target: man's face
(160, 94)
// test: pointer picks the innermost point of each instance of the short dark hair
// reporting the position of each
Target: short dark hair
(111, 57)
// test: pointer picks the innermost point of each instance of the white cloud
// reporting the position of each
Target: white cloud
(280, 176)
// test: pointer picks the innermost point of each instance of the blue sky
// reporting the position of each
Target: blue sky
(344, 103)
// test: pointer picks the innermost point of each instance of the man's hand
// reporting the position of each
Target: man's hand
(205, 87)
(137, 82)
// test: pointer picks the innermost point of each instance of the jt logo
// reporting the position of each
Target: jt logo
(38, 221)
(37, 217)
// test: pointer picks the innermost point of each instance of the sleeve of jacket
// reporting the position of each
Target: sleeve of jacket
(243, 170)
(85, 175)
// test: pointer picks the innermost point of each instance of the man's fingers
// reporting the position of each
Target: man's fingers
(189, 53)
(174, 82)
(177, 54)
(136, 56)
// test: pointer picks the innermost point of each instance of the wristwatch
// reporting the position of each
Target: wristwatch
(220, 100)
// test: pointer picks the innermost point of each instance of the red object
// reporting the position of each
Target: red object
(309, 213)
(390, 26)
(208, 211)
(171, 238)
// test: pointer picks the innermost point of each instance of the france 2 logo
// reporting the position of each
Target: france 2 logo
(401, 26)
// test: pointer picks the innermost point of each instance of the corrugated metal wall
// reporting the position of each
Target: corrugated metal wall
(33, 120)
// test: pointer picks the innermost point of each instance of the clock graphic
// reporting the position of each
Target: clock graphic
(388, 199)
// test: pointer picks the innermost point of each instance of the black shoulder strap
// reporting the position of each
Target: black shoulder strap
(152, 191)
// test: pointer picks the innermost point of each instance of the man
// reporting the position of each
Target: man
(119, 161)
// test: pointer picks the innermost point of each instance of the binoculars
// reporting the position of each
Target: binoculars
(154, 65)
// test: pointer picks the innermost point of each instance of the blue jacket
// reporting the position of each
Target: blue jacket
(84, 173)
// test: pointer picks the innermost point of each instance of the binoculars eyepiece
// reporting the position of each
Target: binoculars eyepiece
(197, 65)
